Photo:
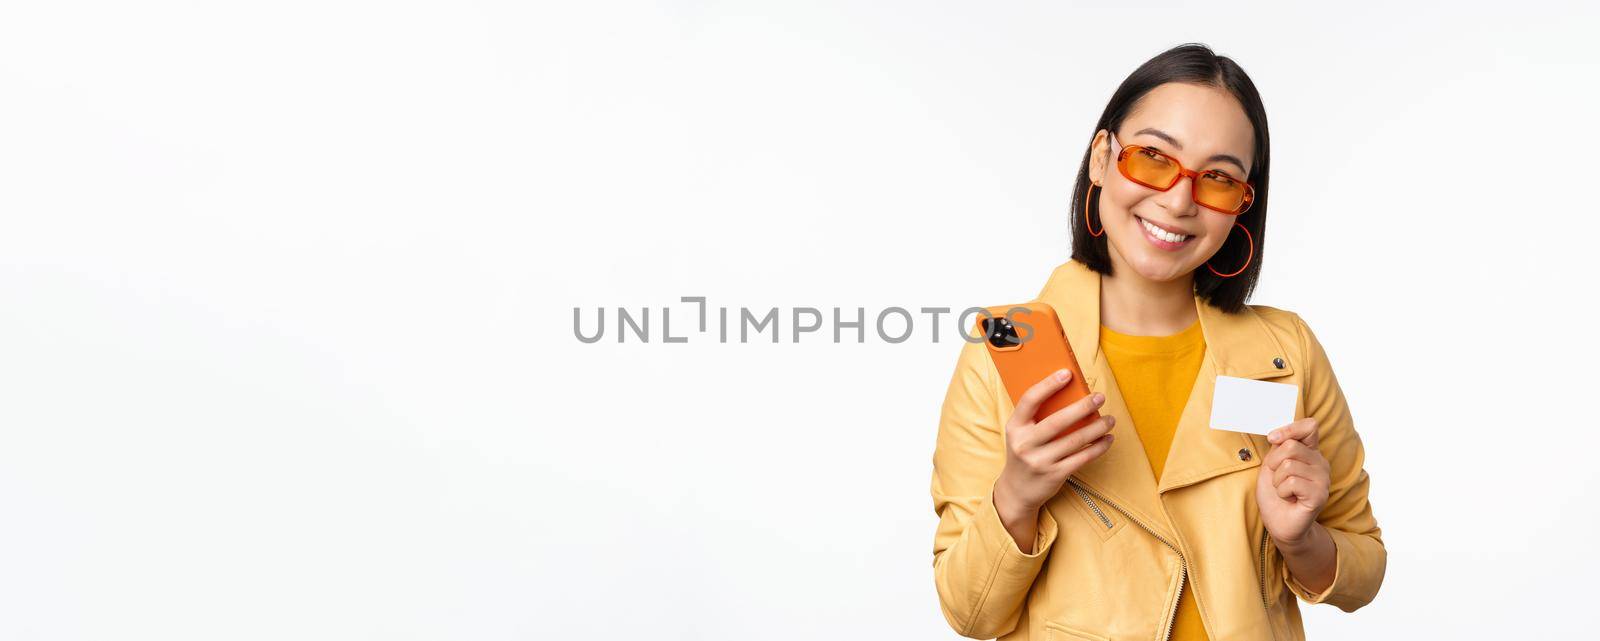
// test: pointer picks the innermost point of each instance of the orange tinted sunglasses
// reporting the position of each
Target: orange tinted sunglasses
(1211, 189)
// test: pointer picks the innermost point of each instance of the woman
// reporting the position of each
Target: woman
(1147, 523)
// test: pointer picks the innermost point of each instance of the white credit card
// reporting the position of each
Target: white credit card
(1247, 405)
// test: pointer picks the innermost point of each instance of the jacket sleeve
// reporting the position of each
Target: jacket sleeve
(1361, 557)
(982, 576)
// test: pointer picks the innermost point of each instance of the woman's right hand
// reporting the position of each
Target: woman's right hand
(1038, 463)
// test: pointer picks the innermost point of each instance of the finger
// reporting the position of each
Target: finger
(1287, 469)
(1300, 487)
(1293, 430)
(1080, 458)
(1061, 447)
(1030, 400)
(1295, 452)
(1061, 419)
(1304, 491)
(1302, 469)
(1285, 451)
(1312, 437)
(1303, 430)
(1296, 488)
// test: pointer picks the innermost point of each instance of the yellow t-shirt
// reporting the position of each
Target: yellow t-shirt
(1155, 375)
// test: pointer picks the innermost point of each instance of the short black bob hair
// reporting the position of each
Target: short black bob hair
(1193, 64)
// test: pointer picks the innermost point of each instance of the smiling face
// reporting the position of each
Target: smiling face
(1204, 128)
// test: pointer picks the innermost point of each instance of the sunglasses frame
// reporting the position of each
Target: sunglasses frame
(1194, 177)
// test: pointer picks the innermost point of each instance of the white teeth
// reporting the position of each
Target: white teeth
(1162, 233)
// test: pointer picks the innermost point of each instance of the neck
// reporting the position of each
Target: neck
(1133, 304)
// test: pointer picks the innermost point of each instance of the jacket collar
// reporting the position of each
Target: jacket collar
(1238, 344)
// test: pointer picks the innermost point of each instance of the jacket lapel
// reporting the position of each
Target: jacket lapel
(1236, 345)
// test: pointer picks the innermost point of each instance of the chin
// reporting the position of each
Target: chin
(1159, 268)
(1155, 265)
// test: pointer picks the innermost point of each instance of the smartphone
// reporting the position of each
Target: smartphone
(1027, 344)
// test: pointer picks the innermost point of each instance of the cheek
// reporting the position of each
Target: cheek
(1121, 197)
(1218, 226)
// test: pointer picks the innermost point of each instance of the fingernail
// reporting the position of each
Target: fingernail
(1099, 398)
(1274, 436)
(1062, 375)
(1111, 420)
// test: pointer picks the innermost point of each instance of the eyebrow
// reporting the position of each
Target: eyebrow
(1179, 146)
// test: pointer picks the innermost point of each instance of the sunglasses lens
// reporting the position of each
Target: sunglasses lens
(1149, 168)
(1220, 192)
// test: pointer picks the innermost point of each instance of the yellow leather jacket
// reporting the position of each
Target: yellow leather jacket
(1115, 545)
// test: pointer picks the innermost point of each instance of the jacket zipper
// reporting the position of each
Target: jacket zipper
(1265, 605)
(1183, 564)
(1261, 571)
(1090, 502)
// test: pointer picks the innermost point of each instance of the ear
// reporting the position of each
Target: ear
(1099, 157)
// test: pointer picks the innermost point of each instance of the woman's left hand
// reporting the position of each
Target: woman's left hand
(1292, 486)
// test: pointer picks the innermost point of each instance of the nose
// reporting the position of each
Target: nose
(1179, 199)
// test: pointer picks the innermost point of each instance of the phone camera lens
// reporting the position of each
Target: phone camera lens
(1003, 334)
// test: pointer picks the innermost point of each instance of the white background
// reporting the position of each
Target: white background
(286, 297)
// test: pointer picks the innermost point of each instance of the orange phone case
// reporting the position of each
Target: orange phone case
(1044, 349)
